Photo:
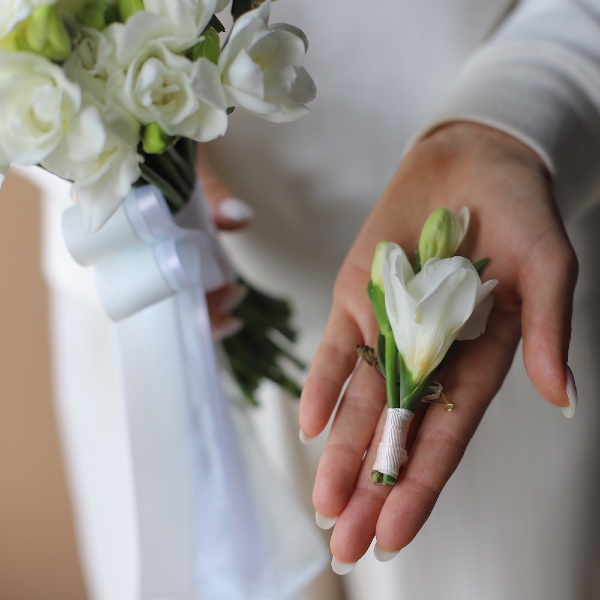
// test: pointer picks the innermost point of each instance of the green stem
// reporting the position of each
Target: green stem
(173, 196)
(391, 372)
(185, 169)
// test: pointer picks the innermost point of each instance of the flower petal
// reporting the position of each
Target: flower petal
(476, 323)
(440, 316)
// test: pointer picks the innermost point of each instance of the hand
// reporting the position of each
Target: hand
(229, 214)
(514, 222)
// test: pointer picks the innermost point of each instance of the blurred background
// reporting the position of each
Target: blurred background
(38, 556)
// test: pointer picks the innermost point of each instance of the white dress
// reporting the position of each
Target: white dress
(517, 520)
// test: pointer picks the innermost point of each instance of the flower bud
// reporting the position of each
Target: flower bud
(377, 264)
(155, 140)
(129, 7)
(208, 47)
(44, 33)
(375, 288)
(442, 233)
(94, 14)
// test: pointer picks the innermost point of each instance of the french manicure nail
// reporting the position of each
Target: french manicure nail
(569, 411)
(235, 209)
(233, 298)
(341, 568)
(324, 522)
(383, 555)
(228, 329)
(305, 439)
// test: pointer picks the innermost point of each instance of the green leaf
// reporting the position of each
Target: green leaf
(481, 264)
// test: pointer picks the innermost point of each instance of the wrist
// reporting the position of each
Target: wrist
(472, 138)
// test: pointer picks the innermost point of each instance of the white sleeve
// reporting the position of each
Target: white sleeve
(538, 79)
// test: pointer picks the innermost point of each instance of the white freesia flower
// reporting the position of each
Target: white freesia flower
(102, 178)
(261, 68)
(444, 302)
(188, 17)
(91, 63)
(158, 85)
(15, 11)
(40, 107)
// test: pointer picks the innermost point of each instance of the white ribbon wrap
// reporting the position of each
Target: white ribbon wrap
(391, 452)
(203, 532)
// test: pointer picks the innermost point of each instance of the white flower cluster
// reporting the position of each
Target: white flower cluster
(78, 91)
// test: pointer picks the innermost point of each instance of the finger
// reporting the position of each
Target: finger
(332, 365)
(220, 304)
(228, 212)
(355, 528)
(547, 282)
(349, 438)
(470, 380)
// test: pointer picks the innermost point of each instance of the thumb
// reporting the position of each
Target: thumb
(547, 283)
(228, 212)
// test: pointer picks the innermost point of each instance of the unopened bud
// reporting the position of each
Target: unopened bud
(129, 7)
(442, 233)
(155, 140)
(93, 14)
(208, 47)
(44, 33)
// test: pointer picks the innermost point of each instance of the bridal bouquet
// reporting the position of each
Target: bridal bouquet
(114, 94)
(421, 311)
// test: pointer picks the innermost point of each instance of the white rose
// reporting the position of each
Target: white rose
(159, 85)
(103, 178)
(444, 302)
(38, 104)
(91, 63)
(261, 68)
(15, 11)
(188, 17)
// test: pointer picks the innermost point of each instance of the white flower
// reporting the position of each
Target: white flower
(15, 11)
(102, 177)
(261, 68)
(91, 63)
(158, 85)
(39, 107)
(444, 302)
(188, 17)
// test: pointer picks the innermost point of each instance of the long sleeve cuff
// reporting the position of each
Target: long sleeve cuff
(539, 80)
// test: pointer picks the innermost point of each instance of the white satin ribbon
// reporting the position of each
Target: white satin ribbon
(202, 532)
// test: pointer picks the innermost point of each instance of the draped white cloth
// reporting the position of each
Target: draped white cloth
(174, 495)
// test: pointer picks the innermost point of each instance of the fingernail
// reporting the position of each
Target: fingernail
(324, 522)
(235, 209)
(233, 298)
(383, 555)
(305, 439)
(341, 568)
(569, 411)
(227, 329)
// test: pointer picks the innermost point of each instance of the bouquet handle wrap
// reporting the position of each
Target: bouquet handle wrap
(200, 526)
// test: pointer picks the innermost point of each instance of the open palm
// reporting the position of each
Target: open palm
(516, 224)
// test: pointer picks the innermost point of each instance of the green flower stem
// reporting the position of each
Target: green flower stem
(391, 372)
(164, 166)
(180, 163)
(173, 197)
